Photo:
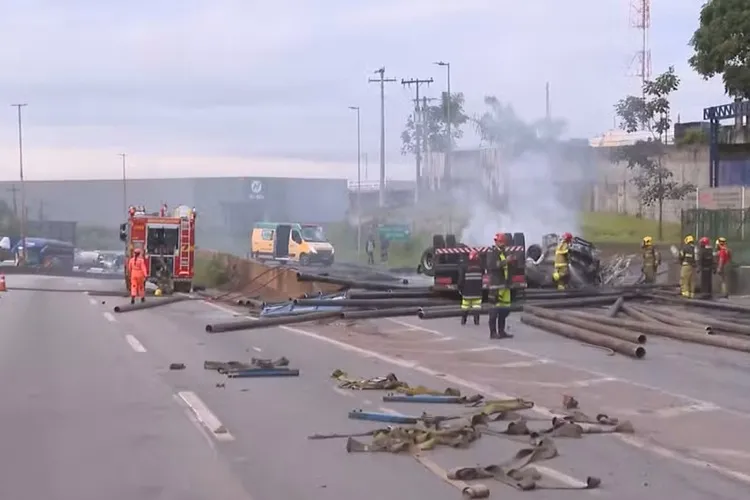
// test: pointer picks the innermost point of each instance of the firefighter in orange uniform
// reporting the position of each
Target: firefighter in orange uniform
(137, 273)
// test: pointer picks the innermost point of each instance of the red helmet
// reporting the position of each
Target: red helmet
(137, 251)
(473, 255)
(705, 242)
(567, 237)
(499, 239)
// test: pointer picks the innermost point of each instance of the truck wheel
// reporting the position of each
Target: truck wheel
(304, 260)
(438, 241)
(450, 240)
(427, 263)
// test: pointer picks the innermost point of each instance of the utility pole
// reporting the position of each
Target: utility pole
(422, 107)
(448, 104)
(418, 129)
(13, 189)
(124, 184)
(359, 181)
(382, 81)
(23, 187)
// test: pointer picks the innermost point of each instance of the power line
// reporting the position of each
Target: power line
(418, 127)
(382, 81)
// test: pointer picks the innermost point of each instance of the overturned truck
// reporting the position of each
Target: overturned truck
(531, 267)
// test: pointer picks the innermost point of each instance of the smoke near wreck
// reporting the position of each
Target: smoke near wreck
(525, 195)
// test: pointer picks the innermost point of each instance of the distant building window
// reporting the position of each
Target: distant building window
(267, 234)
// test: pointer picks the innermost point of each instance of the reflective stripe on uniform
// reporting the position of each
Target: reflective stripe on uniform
(471, 303)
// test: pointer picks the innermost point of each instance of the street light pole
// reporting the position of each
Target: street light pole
(359, 181)
(124, 184)
(23, 187)
(448, 105)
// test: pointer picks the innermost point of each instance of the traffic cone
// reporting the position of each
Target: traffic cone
(3, 286)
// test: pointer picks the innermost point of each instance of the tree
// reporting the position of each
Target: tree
(500, 126)
(654, 181)
(722, 45)
(434, 126)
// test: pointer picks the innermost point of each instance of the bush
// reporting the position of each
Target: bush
(211, 270)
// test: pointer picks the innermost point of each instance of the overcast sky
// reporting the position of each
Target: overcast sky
(249, 78)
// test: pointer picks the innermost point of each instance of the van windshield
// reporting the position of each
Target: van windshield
(313, 234)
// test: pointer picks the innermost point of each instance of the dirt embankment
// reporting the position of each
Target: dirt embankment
(254, 279)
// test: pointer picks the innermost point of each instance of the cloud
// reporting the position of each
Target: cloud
(235, 77)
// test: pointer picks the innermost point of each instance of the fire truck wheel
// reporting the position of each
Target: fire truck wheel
(450, 240)
(534, 252)
(426, 262)
(438, 241)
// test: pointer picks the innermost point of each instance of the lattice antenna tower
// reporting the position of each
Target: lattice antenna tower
(640, 19)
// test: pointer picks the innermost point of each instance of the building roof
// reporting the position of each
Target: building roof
(614, 138)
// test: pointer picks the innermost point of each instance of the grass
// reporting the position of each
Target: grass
(210, 270)
(603, 227)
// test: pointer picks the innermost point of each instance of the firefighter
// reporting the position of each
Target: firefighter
(651, 260)
(687, 267)
(471, 287)
(561, 275)
(137, 273)
(723, 261)
(502, 300)
(706, 266)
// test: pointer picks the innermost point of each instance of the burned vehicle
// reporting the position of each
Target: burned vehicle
(585, 263)
(446, 258)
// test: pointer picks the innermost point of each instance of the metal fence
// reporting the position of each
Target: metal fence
(732, 224)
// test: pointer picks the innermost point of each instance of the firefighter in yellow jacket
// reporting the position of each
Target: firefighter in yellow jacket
(651, 260)
(687, 267)
(561, 275)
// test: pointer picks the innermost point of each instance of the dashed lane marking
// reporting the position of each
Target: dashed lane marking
(92, 301)
(206, 416)
(135, 343)
(109, 316)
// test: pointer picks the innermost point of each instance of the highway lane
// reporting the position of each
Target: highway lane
(83, 416)
(299, 407)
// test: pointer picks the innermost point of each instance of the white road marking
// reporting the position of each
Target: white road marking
(522, 364)
(480, 349)
(206, 416)
(415, 327)
(390, 411)
(135, 343)
(366, 401)
(92, 302)
(685, 410)
(545, 412)
(257, 349)
(110, 317)
(343, 392)
(724, 452)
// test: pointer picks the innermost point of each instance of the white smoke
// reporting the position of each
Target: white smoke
(538, 202)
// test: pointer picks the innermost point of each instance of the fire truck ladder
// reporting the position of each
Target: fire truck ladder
(185, 237)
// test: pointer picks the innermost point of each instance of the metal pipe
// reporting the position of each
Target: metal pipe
(652, 328)
(391, 294)
(150, 304)
(671, 320)
(637, 314)
(265, 372)
(597, 339)
(587, 322)
(252, 324)
(615, 308)
(381, 313)
(344, 282)
(374, 303)
(714, 323)
(721, 306)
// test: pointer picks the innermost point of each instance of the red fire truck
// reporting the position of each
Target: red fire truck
(167, 241)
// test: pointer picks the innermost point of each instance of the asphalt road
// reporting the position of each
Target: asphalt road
(92, 411)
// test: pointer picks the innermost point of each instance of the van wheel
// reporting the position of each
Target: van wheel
(256, 255)
(304, 259)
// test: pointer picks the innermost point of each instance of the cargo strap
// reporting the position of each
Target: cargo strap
(414, 439)
(388, 383)
(517, 472)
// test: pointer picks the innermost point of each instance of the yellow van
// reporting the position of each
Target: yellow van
(303, 243)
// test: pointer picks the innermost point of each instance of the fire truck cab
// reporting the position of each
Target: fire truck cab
(167, 242)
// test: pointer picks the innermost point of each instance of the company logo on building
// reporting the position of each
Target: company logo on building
(256, 190)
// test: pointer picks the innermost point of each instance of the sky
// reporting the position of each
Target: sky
(197, 87)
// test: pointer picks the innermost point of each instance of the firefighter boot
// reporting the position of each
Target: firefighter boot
(132, 300)
(143, 299)
(476, 319)
(464, 317)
